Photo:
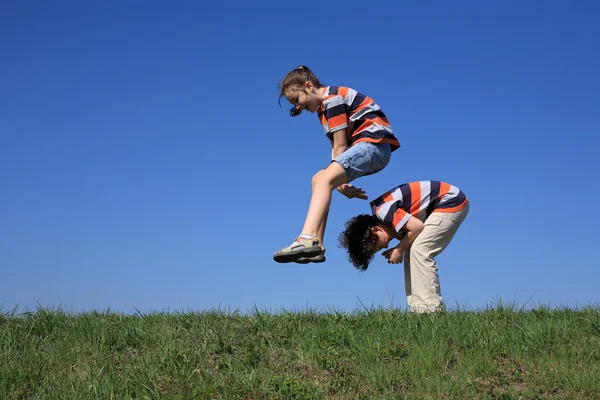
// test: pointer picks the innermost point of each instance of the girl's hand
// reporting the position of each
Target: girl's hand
(394, 256)
(350, 191)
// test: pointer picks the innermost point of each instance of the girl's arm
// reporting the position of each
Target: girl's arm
(339, 144)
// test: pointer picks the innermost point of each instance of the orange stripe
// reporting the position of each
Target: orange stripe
(386, 198)
(398, 215)
(415, 195)
(377, 120)
(337, 121)
(368, 123)
(357, 132)
(444, 189)
(343, 91)
(322, 119)
(362, 105)
(362, 127)
(381, 121)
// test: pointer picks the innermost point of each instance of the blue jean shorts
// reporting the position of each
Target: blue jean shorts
(364, 158)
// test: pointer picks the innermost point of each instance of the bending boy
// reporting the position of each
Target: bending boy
(424, 216)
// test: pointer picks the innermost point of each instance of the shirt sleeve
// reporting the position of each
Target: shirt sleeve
(390, 213)
(335, 111)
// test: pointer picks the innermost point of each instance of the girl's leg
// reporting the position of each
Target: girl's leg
(309, 243)
(321, 231)
(361, 159)
(323, 184)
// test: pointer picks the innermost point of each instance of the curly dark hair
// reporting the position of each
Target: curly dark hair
(359, 239)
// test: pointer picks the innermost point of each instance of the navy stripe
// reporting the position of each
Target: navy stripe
(406, 196)
(389, 217)
(435, 190)
(433, 197)
(373, 135)
(460, 198)
(358, 99)
(355, 125)
(358, 122)
(457, 201)
(333, 89)
(373, 115)
(377, 202)
(335, 111)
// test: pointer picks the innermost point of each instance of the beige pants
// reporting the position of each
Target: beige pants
(421, 278)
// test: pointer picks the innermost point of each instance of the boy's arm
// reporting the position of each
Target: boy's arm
(413, 227)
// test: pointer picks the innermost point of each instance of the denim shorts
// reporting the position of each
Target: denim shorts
(364, 158)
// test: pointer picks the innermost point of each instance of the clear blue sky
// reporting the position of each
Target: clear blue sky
(144, 161)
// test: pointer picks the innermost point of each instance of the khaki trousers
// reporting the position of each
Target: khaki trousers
(421, 280)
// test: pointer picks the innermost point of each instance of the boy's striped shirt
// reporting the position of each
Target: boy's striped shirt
(417, 199)
(345, 108)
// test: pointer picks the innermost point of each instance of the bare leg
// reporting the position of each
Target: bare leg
(321, 231)
(323, 184)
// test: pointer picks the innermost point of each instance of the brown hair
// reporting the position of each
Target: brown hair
(297, 77)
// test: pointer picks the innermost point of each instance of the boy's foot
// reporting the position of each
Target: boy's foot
(319, 258)
(302, 247)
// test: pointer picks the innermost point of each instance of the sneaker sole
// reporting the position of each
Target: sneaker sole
(294, 256)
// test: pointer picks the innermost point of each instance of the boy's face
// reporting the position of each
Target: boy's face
(383, 238)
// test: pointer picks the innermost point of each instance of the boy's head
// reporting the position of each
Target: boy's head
(299, 87)
(364, 236)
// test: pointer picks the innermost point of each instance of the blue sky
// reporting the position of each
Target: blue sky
(145, 163)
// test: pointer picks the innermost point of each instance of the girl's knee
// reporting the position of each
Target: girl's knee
(322, 177)
(334, 175)
(318, 177)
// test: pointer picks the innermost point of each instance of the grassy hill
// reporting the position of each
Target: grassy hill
(496, 353)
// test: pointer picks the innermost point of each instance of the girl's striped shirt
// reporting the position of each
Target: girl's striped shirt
(345, 108)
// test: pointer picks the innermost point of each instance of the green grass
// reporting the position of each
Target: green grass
(497, 353)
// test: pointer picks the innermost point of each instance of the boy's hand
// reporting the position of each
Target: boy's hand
(394, 256)
(350, 191)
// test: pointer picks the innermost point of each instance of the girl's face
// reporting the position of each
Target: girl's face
(305, 97)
